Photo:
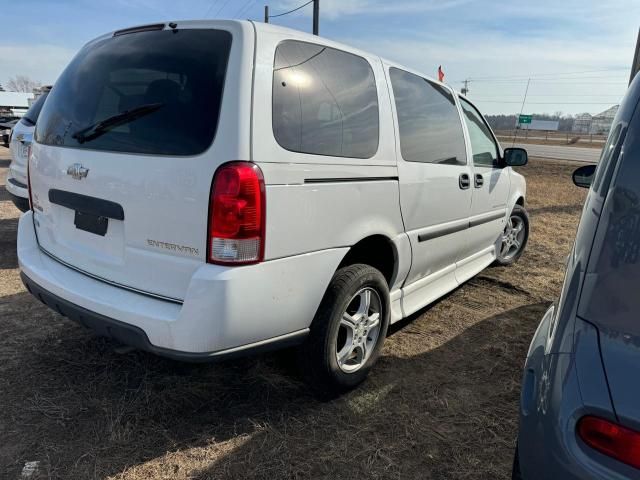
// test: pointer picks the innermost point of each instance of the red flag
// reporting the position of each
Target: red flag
(440, 74)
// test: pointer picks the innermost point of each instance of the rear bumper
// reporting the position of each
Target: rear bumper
(557, 390)
(136, 337)
(227, 311)
(16, 187)
(21, 203)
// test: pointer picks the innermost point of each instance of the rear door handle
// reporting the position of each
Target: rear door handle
(479, 180)
(463, 181)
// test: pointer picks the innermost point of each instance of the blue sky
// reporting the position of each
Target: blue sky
(577, 52)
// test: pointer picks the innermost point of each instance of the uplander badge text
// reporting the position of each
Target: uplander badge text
(173, 246)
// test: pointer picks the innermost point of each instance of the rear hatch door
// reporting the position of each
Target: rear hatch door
(610, 298)
(121, 168)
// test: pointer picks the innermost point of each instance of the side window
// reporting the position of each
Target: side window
(483, 146)
(325, 101)
(428, 120)
(608, 159)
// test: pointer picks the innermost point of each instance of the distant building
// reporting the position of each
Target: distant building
(601, 123)
(37, 92)
(15, 103)
(582, 123)
(597, 124)
(550, 125)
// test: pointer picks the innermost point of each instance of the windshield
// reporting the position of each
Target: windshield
(182, 70)
(31, 117)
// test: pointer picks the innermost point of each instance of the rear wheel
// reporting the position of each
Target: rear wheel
(348, 330)
(514, 237)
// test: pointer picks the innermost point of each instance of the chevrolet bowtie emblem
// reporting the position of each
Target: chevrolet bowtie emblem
(77, 171)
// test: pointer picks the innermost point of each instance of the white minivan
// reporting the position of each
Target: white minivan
(208, 189)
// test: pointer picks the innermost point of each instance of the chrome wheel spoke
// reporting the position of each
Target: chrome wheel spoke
(345, 353)
(374, 321)
(363, 351)
(365, 302)
(359, 330)
(513, 238)
(505, 248)
(348, 321)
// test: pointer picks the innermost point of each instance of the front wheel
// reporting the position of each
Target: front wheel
(514, 238)
(348, 330)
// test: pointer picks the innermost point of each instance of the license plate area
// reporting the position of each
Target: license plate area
(91, 214)
(88, 222)
(24, 150)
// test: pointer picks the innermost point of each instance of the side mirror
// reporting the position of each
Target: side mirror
(515, 157)
(583, 176)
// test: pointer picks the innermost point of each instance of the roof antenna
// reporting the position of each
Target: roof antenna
(173, 26)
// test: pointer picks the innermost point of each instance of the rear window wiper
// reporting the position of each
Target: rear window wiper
(99, 128)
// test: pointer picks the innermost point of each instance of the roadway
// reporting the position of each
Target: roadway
(559, 152)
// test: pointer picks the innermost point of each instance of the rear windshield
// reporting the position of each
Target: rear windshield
(31, 117)
(155, 92)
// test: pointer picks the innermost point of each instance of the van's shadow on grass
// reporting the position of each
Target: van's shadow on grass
(8, 255)
(4, 194)
(85, 411)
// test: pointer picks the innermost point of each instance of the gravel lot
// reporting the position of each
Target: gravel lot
(441, 403)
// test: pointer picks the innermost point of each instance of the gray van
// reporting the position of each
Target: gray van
(580, 400)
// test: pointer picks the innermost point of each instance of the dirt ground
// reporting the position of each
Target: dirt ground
(441, 403)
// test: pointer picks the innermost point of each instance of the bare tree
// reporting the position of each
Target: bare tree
(22, 83)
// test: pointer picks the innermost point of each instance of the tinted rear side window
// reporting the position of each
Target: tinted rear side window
(428, 120)
(325, 101)
(31, 117)
(181, 73)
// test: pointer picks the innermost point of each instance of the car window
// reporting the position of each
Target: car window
(483, 145)
(179, 72)
(325, 101)
(607, 161)
(428, 120)
(31, 117)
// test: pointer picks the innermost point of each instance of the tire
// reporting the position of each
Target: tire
(333, 332)
(512, 254)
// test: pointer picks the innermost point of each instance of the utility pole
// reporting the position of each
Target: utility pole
(465, 89)
(515, 133)
(266, 14)
(316, 17)
(635, 67)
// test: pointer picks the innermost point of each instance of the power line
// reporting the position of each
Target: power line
(291, 11)
(210, 7)
(552, 82)
(246, 6)
(537, 75)
(543, 103)
(578, 95)
(222, 8)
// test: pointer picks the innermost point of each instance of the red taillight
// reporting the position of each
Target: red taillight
(236, 215)
(609, 438)
(29, 177)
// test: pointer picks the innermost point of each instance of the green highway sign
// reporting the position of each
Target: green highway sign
(524, 119)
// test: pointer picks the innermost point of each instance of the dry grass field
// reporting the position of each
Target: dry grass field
(441, 403)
